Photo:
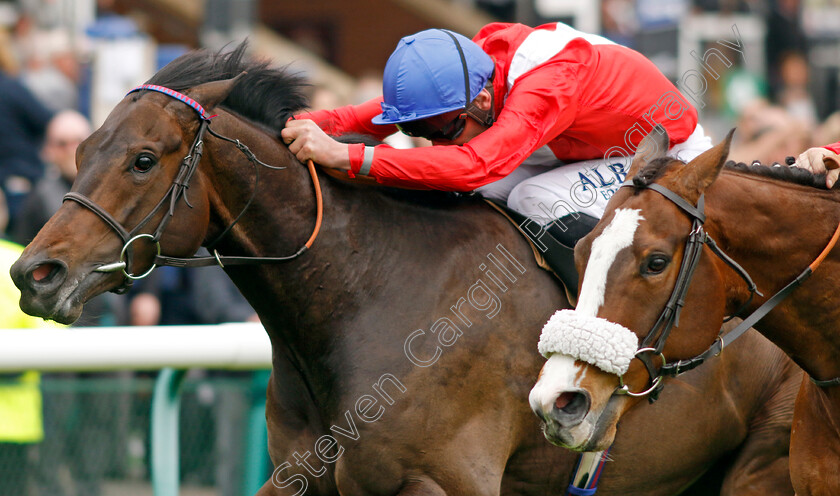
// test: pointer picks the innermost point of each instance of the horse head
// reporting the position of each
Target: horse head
(129, 202)
(605, 355)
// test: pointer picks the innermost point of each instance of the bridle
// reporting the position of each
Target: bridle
(654, 342)
(176, 192)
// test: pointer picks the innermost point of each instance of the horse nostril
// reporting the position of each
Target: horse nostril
(563, 400)
(47, 273)
(570, 408)
(42, 272)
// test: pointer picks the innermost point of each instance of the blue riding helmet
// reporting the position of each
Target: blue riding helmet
(425, 76)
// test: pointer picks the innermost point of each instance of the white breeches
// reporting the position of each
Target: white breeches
(548, 192)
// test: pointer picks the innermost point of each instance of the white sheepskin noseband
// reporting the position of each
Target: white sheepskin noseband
(604, 344)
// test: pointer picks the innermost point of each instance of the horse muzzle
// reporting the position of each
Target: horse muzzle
(574, 395)
(46, 290)
(571, 422)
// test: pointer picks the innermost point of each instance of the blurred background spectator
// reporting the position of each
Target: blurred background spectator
(793, 93)
(768, 133)
(64, 64)
(51, 68)
(64, 133)
(325, 98)
(23, 119)
(784, 21)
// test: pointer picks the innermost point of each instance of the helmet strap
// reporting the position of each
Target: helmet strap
(484, 117)
(463, 66)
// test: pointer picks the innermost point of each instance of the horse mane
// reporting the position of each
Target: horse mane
(266, 95)
(656, 168)
(784, 173)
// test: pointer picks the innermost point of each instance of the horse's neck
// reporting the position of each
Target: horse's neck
(297, 301)
(775, 230)
(277, 222)
(367, 239)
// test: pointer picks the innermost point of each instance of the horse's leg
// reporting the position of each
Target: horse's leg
(761, 466)
(290, 433)
(815, 444)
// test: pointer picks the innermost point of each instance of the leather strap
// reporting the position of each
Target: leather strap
(675, 368)
(177, 191)
(104, 215)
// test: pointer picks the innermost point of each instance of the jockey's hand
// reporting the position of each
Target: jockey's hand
(308, 142)
(820, 161)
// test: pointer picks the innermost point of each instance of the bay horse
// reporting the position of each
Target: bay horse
(403, 337)
(653, 265)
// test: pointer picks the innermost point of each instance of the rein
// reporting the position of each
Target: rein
(176, 192)
(670, 315)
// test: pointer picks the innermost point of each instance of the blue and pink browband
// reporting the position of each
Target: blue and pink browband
(179, 96)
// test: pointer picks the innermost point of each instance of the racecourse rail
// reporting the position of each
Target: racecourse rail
(170, 349)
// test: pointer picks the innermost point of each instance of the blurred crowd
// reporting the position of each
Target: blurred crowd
(44, 115)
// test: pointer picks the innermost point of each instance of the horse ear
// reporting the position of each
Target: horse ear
(213, 93)
(653, 146)
(703, 170)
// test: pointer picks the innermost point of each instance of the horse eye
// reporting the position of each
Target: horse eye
(655, 264)
(144, 162)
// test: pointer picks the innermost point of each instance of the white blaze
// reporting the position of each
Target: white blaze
(580, 334)
(559, 375)
(617, 236)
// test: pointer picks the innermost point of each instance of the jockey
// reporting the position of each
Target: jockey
(504, 112)
(812, 160)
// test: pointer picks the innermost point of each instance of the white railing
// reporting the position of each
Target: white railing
(89, 349)
(170, 349)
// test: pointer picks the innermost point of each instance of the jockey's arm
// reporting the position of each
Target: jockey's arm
(351, 119)
(540, 108)
(821, 160)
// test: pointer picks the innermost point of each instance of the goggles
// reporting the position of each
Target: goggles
(423, 128)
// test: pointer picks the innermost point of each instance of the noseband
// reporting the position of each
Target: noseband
(177, 191)
(654, 342)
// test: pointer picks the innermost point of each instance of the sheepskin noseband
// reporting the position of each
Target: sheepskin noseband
(604, 344)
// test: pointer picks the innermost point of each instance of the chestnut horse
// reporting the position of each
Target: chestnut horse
(403, 339)
(649, 268)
